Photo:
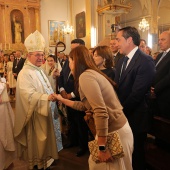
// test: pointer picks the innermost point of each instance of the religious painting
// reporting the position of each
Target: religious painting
(80, 25)
(56, 33)
(17, 26)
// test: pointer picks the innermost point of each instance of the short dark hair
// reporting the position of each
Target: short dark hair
(131, 32)
(78, 41)
(52, 56)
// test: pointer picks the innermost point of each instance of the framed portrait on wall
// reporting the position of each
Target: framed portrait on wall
(55, 32)
(80, 25)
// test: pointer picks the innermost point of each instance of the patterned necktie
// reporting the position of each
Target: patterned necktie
(163, 55)
(123, 66)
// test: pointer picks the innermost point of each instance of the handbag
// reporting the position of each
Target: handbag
(113, 144)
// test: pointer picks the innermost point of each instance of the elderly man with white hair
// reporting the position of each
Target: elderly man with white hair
(37, 128)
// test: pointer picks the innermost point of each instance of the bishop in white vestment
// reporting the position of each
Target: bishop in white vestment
(37, 129)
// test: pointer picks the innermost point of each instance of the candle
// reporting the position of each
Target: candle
(5, 45)
(9, 46)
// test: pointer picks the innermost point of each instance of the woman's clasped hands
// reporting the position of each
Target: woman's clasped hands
(54, 97)
(58, 97)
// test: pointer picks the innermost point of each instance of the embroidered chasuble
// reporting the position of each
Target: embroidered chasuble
(37, 128)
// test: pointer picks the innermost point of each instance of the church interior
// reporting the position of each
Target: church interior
(92, 15)
(96, 22)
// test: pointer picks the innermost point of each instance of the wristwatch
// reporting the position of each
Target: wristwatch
(102, 148)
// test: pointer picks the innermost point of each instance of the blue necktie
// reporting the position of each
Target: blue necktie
(123, 66)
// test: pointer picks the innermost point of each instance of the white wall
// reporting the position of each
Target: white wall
(77, 8)
(53, 10)
(60, 10)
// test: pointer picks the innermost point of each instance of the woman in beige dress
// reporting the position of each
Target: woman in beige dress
(7, 145)
(10, 76)
(98, 96)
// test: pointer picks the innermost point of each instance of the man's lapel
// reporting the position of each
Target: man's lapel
(130, 66)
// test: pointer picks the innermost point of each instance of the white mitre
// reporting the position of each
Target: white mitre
(35, 42)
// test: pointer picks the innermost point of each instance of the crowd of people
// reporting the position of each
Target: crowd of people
(120, 87)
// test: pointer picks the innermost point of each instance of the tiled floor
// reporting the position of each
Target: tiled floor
(67, 161)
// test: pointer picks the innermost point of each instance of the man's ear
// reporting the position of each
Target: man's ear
(129, 40)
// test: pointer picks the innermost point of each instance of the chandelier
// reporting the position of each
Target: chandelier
(143, 25)
(68, 29)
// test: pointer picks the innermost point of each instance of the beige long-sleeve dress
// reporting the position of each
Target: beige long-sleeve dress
(10, 76)
(98, 96)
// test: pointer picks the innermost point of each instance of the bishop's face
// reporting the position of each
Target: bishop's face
(36, 58)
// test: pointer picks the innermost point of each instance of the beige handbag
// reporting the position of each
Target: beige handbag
(113, 144)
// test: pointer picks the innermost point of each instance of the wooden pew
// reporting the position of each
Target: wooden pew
(158, 153)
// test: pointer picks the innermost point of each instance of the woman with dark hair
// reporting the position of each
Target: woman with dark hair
(98, 96)
(103, 58)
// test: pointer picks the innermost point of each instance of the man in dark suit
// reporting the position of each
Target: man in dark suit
(18, 64)
(78, 130)
(161, 83)
(115, 50)
(60, 57)
(134, 77)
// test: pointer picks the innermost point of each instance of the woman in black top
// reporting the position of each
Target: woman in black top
(103, 58)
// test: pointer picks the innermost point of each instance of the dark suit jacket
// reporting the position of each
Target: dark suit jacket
(64, 80)
(117, 58)
(162, 77)
(161, 84)
(133, 87)
(17, 67)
